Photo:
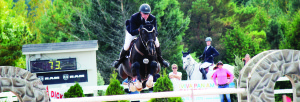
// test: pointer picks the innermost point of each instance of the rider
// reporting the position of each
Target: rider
(140, 18)
(209, 53)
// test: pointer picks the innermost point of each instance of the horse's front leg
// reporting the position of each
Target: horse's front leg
(153, 67)
(136, 66)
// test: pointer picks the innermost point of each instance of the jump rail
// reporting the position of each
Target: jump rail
(190, 93)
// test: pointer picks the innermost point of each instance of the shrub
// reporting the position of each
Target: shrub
(239, 65)
(164, 84)
(115, 88)
(74, 91)
(100, 81)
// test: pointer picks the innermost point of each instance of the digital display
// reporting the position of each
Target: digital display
(53, 65)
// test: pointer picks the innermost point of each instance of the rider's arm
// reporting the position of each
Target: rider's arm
(216, 53)
(134, 26)
(201, 56)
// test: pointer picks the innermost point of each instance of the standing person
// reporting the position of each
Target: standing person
(223, 82)
(175, 76)
(208, 55)
(132, 29)
(246, 59)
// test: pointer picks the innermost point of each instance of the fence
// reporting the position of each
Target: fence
(9, 97)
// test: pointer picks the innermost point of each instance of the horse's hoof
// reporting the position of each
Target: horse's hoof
(139, 85)
(139, 89)
(132, 88)
(149, 82)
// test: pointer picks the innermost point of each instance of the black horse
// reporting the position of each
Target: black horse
(142, 60)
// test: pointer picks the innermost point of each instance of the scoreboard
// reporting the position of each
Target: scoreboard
(53, 65)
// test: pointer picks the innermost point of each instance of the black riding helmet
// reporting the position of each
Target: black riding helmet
(145, 8)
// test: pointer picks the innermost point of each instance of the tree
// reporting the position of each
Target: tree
(164, 84)
(14, 32)
(274, 34)
(74, 91)
(114, 87)
(171, 24)
(292, 36)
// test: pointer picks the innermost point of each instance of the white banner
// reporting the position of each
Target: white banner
(186, 85)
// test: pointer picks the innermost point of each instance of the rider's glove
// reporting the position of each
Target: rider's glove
(211, 56)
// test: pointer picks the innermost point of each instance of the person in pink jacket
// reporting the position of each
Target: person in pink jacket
(223, 82)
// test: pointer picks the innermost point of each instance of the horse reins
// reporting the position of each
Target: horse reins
(138, 50)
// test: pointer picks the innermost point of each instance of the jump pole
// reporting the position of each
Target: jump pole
(154, 95)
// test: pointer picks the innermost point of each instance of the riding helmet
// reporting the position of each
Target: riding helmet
(208, 39)
(145, 8)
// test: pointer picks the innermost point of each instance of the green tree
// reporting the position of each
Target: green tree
(292, 36)
(115, 88)
(164, 84)
(171, 24)
(14, 32)
(74, 91)
(274, 34)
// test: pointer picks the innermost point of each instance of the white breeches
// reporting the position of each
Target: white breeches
(205, 65)
(129, 38)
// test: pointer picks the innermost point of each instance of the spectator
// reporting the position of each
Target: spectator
(175, 75)
(246, 59)
(286, 98)
(221, 74)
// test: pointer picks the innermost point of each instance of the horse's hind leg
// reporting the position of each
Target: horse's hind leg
(136, 66)
(153, 67)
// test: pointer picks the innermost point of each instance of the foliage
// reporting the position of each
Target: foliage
(74, 91)
(292, 36)
(239, 64)
(14, 32)
(100, 82)
(115, 88)
(164, 84)
(171, 24)
(274, 34)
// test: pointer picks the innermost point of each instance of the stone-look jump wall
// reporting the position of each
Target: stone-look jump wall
(263, 70)
(24, 84)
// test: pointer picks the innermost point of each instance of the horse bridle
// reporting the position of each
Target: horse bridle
(145, 45)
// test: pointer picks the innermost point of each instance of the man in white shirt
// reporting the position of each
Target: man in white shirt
(175, 75)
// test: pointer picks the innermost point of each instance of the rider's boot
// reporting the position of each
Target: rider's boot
(160, 59)
(116, 63)
(202, 70)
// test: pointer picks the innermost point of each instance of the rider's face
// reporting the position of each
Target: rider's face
(208, 43)
(145, 15)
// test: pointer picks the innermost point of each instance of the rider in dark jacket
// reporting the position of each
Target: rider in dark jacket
(208, 55)
(141, 18)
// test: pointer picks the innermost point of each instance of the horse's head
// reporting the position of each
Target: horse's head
(186, 59)
(148, 37)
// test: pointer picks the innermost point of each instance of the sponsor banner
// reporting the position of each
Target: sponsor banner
(57, 93)
(186, 85)
(63, 77)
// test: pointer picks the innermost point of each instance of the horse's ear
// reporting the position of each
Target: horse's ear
(189, 51)
(182, 52)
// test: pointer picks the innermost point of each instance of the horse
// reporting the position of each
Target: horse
(142, 61)
(192, 67)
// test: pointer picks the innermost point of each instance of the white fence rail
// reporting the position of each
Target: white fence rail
(190, 93)
(9, 97)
